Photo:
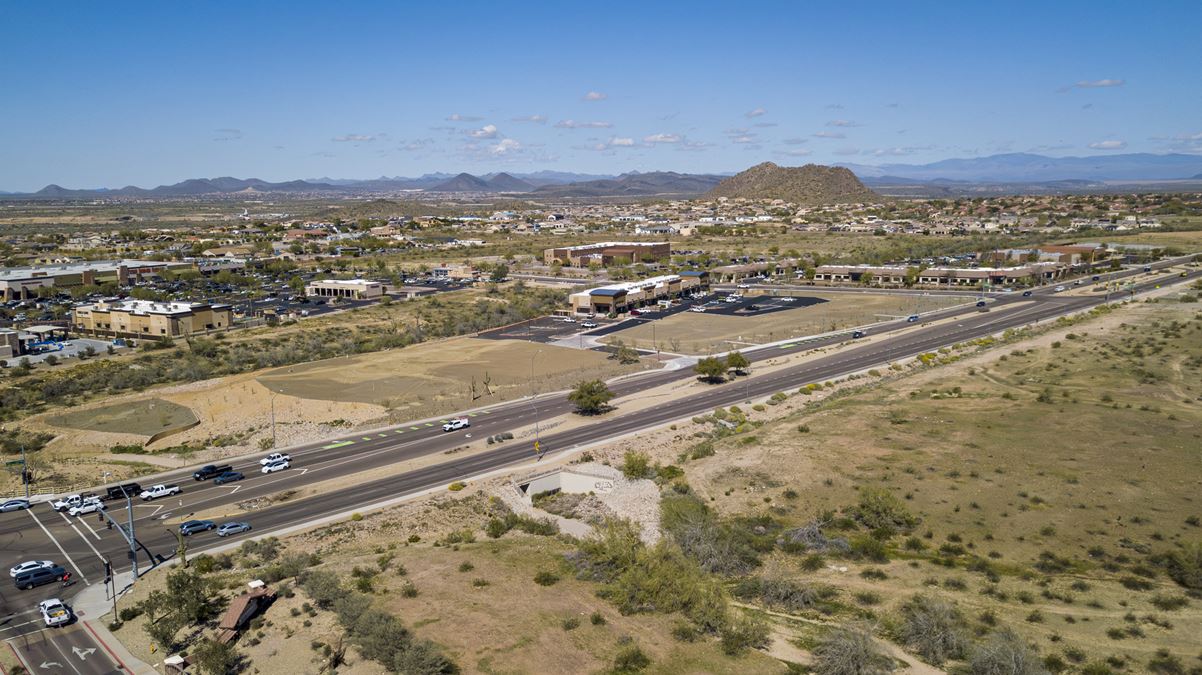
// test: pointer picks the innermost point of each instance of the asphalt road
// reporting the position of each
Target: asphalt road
(83, 544)
(73, 649)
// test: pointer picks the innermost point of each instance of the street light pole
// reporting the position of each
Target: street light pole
(273, 420)
(533, 402)
(24, 473)
(133, 539)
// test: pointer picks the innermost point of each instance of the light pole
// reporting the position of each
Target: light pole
(533, 403)
(272, 400)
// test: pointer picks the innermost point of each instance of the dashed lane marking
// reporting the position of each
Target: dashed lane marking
(58, 545)
(339, 444)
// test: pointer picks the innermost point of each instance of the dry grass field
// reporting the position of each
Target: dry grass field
(433, 378)
(1049, 482)
(144, 417)
(695, 333)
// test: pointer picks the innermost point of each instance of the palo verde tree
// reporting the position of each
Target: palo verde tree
(711, 369)
(590, 397)
(737, 362)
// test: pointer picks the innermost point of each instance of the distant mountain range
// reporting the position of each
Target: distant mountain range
(812, 184)
(1027, 168)
(1015, 173)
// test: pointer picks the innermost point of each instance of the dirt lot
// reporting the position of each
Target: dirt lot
(438, 377)
(695, 333)
(145, 417)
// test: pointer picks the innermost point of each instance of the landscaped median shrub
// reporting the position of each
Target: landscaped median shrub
(456, 486)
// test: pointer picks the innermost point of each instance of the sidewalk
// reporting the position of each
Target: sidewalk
(95, 607)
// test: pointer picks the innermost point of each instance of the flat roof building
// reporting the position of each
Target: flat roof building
(354, 289)
(150, 319)
(622, 297)
(606, 252)
(22, 283)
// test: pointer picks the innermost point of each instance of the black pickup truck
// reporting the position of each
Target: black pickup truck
(211, 470)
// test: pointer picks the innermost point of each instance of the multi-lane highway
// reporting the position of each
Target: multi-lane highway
(83, 544)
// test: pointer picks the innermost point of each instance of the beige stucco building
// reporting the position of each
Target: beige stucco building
(146, 318)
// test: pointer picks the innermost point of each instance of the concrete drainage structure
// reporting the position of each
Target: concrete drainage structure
(634, 500)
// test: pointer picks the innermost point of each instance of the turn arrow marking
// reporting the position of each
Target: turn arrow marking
(83, 653)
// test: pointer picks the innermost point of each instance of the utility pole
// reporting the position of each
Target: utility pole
(534, 404)
(24, 473)
(273, 419)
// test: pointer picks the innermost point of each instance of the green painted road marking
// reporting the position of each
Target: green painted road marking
(790, 344)
(429, 424)
(382, 435)
(339, 444)
(367, 438)
(400, 431)
(471, 414)
(413, 428)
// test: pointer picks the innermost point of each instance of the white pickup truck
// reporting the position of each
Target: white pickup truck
(67, 503)
(54, 613)
(156, 491)
(274, 458)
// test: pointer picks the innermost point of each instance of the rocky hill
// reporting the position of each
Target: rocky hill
(809, 184)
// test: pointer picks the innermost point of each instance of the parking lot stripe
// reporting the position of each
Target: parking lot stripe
(58, 545)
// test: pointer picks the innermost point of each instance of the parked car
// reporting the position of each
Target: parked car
(14, 505)
(227, 529)
(38, 577)
(697, 309)
(209, 470)
(275, 457)
(29, 565)
(456, 424)
(588, 324)
(55, 613)
(276, 466)
(228, 477)
(191, 527)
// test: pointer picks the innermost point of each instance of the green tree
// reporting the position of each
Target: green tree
(636, 465)
(711, 369)
(499, 273)
(737, 362)
(590, 397)
(626, 355)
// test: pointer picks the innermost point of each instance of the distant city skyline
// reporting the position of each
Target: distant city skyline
(107, 95)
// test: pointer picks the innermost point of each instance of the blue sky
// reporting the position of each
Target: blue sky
(109, 94)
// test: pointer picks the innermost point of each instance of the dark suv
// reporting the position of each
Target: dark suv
(38, 577)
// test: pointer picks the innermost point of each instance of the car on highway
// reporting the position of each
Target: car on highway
(275, 457)
(90, 505)
(457, 424)
(279, 465)
(67, 502)
(156, 491)
(14, 505)
(123, 491)
(1026, 294)
(191, 527)
(913, 318)
(55, 613)
(228, 477)
(210, 470)
(980, 303)
(232, 527)
(588, 324)
(858, 333)
(1059, 289)
(29, 565)
(38, 577)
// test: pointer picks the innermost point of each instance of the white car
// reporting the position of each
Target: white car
(743, 286)
(89, 506)
(696, 309)
(275, 457)
(456, 424)
(1059, 288)
(29, 565)
(54, 612)
(788, 299)
(276, 466)
(589, 324)
(568, 319)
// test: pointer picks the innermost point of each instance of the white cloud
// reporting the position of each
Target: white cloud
(573, 124)
(505, 147)
(1095, 84)
(595, 96)
(796, 152)
(621, 142)
(661, 138)
(755, 113)
(1108, 145)
(693, 146)
(535, 119)
(847, 151)
(892, 152)
(456, 117)
(794, 141)
(830, 134)
(765, 125)
(841, 123)
(613, 142)
(744, 139)
(1188, 137)
(486, 131)
(357, 138)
